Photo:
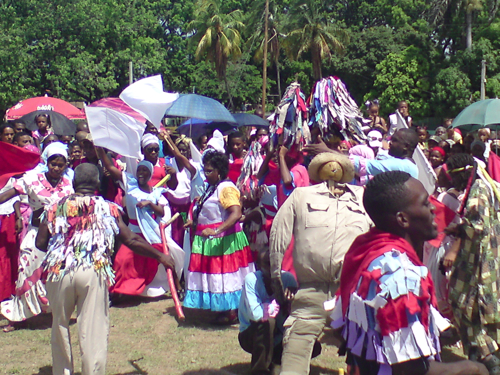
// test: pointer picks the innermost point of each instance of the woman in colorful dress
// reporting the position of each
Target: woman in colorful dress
(220, 255)
(475, 276)
(146, 206)
(42, 189)
(179, 198)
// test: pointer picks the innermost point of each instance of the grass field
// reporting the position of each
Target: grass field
(145, 339)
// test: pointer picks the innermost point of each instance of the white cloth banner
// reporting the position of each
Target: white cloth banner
(147, 97)
(426, 174)
(115, 131)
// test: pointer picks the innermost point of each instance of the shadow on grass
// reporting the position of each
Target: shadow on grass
(201, 319)
(244, 369)
(123, 301)
(47, 370)
(39, 322)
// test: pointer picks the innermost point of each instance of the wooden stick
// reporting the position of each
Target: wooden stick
(170, 275)
(163, 181)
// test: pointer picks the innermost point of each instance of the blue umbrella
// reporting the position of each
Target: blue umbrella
(194, 127)
(247, 119)
(200, 107)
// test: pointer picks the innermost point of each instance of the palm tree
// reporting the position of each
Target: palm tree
(275, 25)
(217, 36)
(312, 31)
(440, 13)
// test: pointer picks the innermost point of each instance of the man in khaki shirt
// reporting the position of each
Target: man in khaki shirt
(324, 220)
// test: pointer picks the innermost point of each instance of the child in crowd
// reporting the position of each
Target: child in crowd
(44, 129)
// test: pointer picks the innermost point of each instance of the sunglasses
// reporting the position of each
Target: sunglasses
(153, 149)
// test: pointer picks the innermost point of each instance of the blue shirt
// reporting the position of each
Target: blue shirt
(254, 296)
(374, 167)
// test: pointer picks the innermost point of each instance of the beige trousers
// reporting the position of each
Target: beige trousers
(86, 290)
(304, 325)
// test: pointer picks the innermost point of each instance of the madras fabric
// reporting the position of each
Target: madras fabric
(475, 278)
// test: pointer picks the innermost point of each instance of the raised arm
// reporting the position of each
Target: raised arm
(114, 172)
(264, 168)
(179, 158)
(286, 176)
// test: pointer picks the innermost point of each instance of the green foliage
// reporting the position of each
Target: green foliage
(402, 76)
(451, 92)
(399, 49)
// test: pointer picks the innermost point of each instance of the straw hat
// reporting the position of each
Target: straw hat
(326, 157)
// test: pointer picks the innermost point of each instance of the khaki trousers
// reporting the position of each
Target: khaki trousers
(88, 292)
(304, 325)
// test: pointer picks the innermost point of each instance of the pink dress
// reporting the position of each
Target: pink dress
(30, 296)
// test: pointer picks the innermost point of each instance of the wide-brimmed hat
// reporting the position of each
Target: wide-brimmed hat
(326, 157)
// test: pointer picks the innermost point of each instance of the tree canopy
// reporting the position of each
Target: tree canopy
(427, 52)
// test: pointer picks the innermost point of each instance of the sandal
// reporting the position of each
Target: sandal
(9, 328)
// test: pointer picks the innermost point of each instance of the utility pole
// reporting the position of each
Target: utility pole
(264, 69)
(130, 72)
(483, 78)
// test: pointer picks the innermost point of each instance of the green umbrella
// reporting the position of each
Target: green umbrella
(481, 114)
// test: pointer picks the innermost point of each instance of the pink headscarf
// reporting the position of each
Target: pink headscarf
(362, 150)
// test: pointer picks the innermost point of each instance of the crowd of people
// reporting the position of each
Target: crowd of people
(284, 240)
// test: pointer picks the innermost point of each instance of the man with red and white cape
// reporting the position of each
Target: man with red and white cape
(386, 303)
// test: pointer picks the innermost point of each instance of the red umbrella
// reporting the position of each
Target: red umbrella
(45, 103)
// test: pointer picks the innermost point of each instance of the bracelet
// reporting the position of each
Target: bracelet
(217, 232)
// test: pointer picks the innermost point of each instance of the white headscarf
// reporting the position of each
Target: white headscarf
(55, 148)
(148, 139)
(217, 141)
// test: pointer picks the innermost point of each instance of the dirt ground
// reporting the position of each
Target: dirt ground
(145, 339)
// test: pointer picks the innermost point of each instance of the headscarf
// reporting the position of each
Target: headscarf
(148, 139)
(440, 150)
(217, 142)
(55, 148)
(362, 150)
(148, 165)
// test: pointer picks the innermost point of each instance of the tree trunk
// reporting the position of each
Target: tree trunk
(229, 94)
(468, 25)
(316, 61)
(277, 63)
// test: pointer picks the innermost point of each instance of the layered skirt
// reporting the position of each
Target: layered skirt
(217, 269)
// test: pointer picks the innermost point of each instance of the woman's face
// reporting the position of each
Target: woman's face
(211, 174)
(236, 146)
(56, 166)
(8, 135)
(42, 123)
(151, 153)
(143, 175)
(436, 159)
(203, 143)
(184, 150)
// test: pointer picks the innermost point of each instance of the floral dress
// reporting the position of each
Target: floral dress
(30, 297)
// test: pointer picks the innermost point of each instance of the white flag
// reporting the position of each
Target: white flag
(115, 131)
(147, 97)
(426, 173)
